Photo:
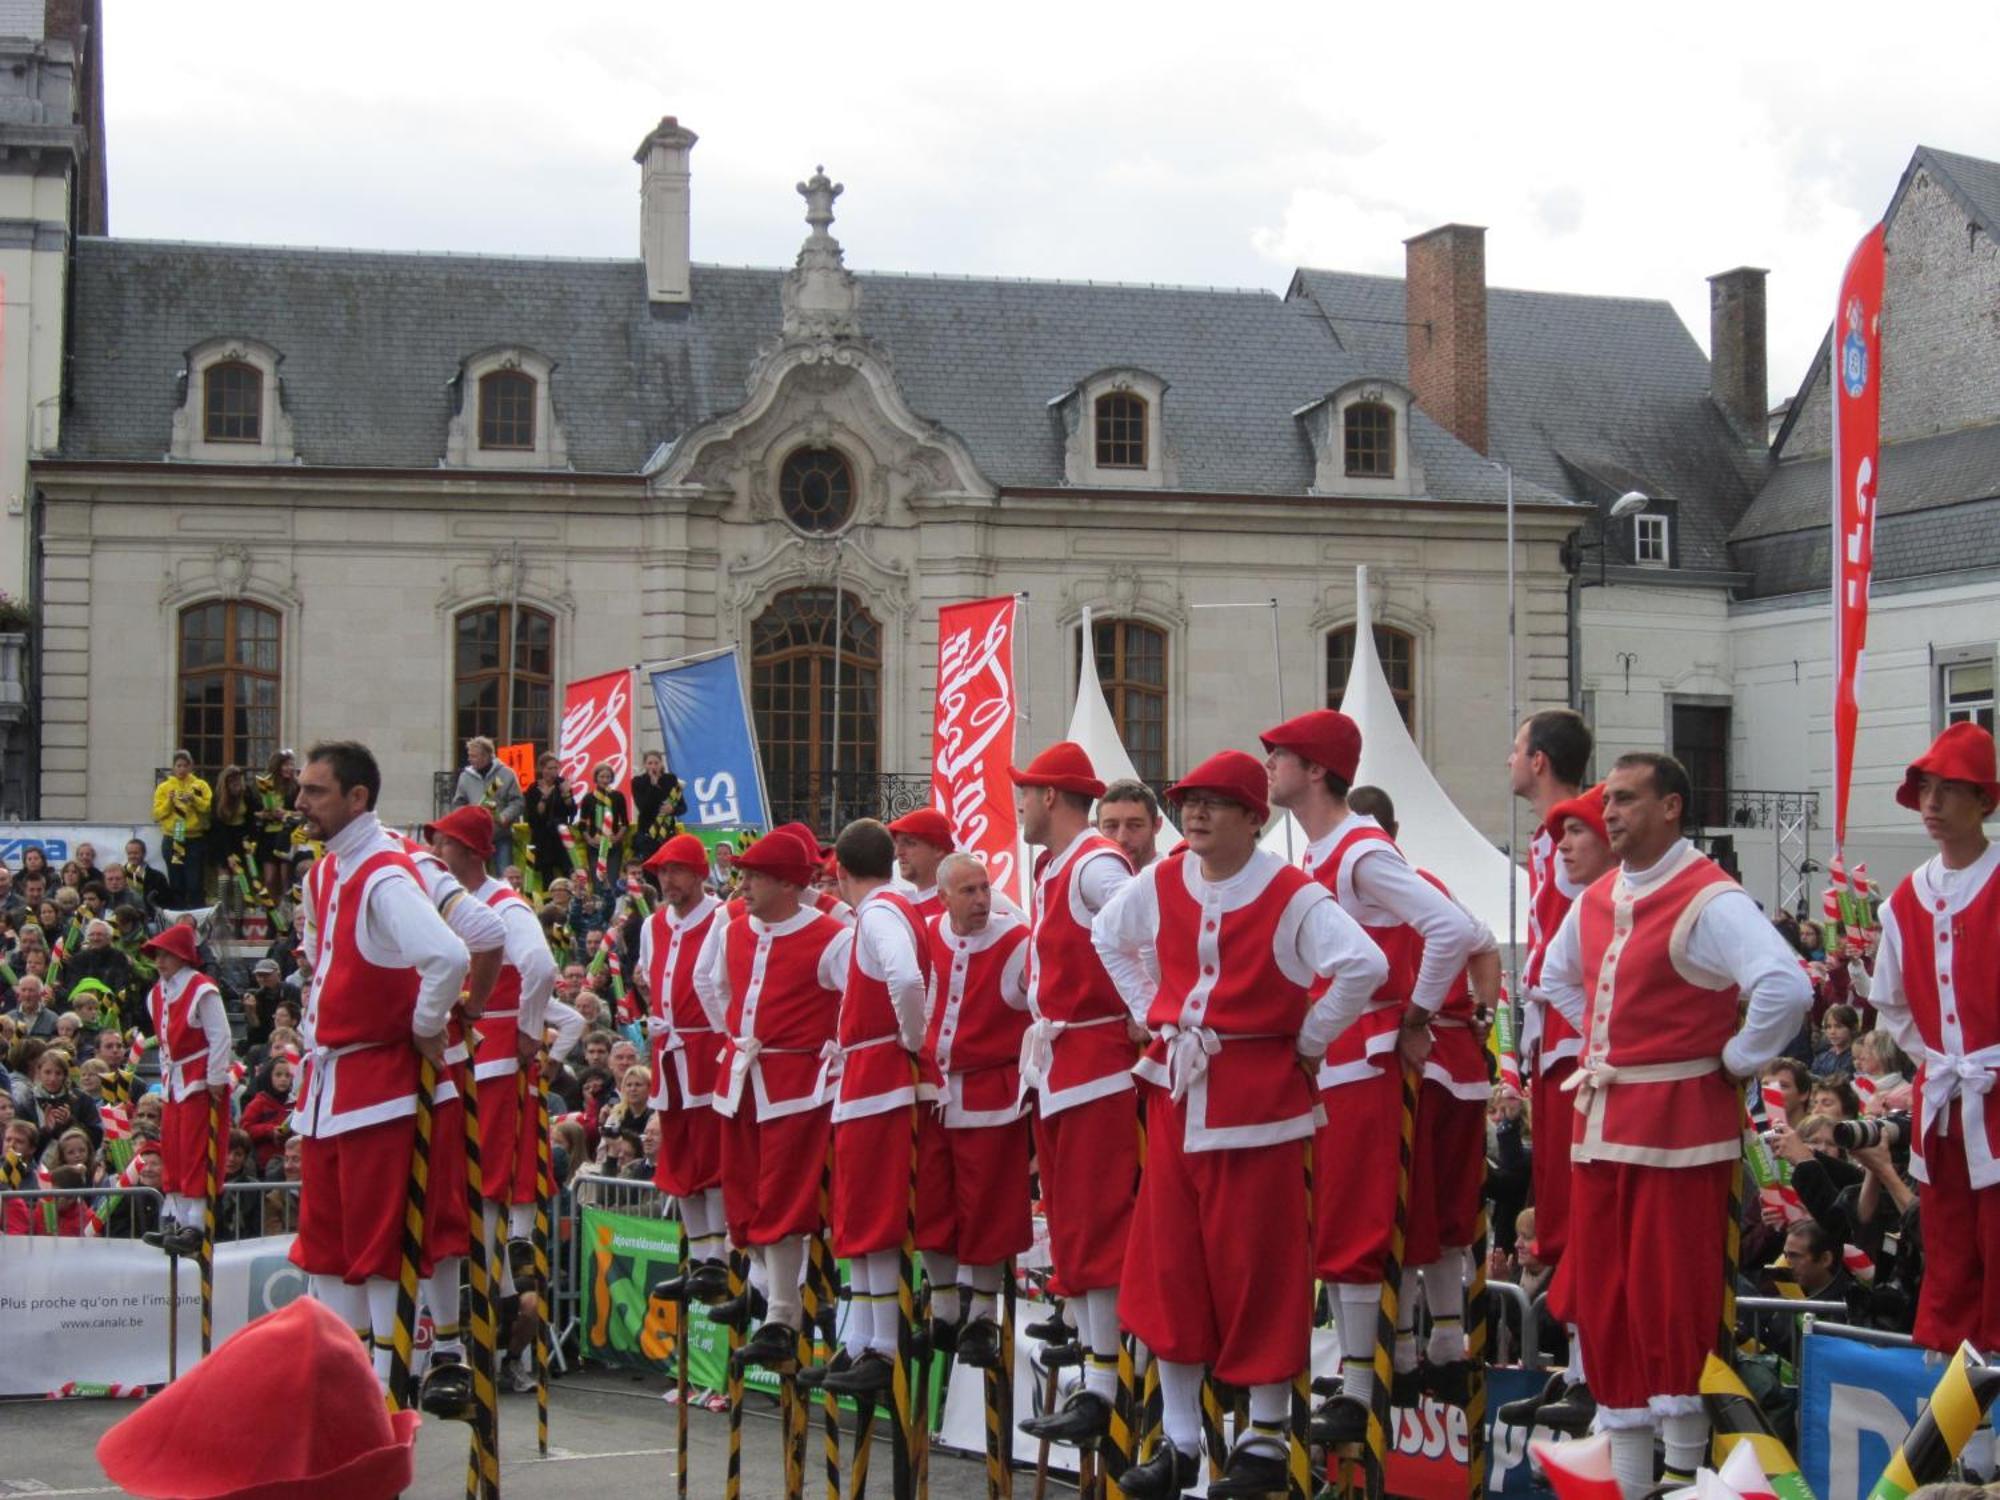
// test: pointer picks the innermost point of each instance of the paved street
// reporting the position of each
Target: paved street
(610, 1437)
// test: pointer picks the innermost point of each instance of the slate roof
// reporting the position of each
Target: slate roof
(1586, 396)
(372, 340)
(1916, 544)
(1973, 181)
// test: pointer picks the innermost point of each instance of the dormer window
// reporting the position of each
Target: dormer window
(232, 402)
(507, 411)
(503, 413)
(1368, 430)
(1649, 541)
(232, 407)
(1121, 431)
(1112, 430)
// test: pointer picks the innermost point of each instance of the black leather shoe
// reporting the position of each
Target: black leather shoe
(773, 1345)
(1326, 1385)
(1168, 1473)
(1342, 1421)
(1522, 1413)
(175, 1239)
(739, 1312)
(1572, 1415)
(979, 1344)
(1083, 1421)
(869, 1375)
(944, 1334)
(1407, 1389)
(1450, 1382)
(1050, 1330)
(1058, 1356)
(812, 1377)
(708, 1282)
(447, 1390)
(1251, 1474)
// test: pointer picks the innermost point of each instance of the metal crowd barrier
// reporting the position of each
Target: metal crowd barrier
(1529, 1356)
(569, 1263)
(133, 1224)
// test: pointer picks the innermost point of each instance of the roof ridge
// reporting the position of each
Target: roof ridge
(1068, 281)
(1940, 161)
(1511, 291)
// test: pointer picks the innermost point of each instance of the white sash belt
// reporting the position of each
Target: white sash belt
(1593, 1074)
(832, 1056)
(1038, 1047)
(1947, 1077)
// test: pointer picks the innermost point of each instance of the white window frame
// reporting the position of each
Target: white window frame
(1080, 466)
(1949, 660)
(1326, 429)
(1652, 533)
(189, 441)
(462, 450)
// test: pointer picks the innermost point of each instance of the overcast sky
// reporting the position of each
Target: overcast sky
(1607, 148)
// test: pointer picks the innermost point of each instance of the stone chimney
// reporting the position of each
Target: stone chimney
(1736, 374)
(1444, 293)
(663, 209)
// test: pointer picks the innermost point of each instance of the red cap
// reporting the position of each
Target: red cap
(336, 1439)
(807, 837)
(1064, 766)
(1587, 806)
(681, 849)
(781, 853)
(1325, 737)
(1232, 774)
(1964, 752)
(177, 940)
(929, 825)
(470, 826)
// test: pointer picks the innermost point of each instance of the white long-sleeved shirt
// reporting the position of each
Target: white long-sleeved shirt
(527, 953)
(400, 928)
(885, 947)
(711, 969)
(211, 1018)
(1885, 988)
(568, 1022)
(1098, 877)
(1732, 937)
(1327, 943)
(1389, 892)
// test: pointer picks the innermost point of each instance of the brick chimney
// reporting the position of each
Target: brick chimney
(1736, 375)
(663, 209)
(1444, 292)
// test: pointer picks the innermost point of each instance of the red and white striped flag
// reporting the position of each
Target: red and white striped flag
(1579, 1469)
(117, 1121)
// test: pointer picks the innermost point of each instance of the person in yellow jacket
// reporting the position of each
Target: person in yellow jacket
(180, 807)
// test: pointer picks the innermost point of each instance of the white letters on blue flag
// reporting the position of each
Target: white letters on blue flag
(711, 742)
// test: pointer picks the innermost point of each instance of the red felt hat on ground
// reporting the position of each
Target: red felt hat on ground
(929, 825)
(1587, 806)
(332, 1436)
(681, 849)
(1964, 752)
(1232, 774)
(177, 940)
(781, 854)
(1065, 766)
(1325, 737)
(470, 826)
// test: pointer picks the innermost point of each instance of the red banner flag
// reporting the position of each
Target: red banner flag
(973, 737)
(1857, 461)
(597, 727)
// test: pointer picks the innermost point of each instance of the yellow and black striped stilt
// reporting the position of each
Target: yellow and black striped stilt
(1732, 1256)
(415, 1216)
(1213, 1438)
(545, 1178)
(1389, 1309)
(1477, 1333)
(1298, 1448)
(1121, 1442)
(209, 1199)
(1000, 1399)
(683, 1315)
(483, 1472)
(822, 1297)
(1149, 1405)
(908, 1457)
(733, 1482)
(865, 1408)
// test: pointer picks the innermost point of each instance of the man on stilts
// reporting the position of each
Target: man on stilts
(688, 1167)
(510, 1030)
(1545, 768)
(770, 982)
(874, 1087)
(195, 1052)
(979, 1214)
(1937, 987)
(1651, 966)
(1428, 939)
(1077, 1056)
(1218, 951)
(386, 973)
(923, 842)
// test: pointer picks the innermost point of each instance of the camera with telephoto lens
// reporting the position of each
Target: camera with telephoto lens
(1880, 1130)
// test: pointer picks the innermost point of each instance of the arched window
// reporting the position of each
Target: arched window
(229, 682)
(503, 675)
(802, 701)
(1132, 669)
(816, 489)
(1369, 429)
(1121, 431)
(1398, 653)
(507, 410)
(232, 402)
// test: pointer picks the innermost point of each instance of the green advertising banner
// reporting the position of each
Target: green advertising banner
(623, 1256)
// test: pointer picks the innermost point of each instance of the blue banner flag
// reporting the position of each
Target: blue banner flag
(711, 743)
